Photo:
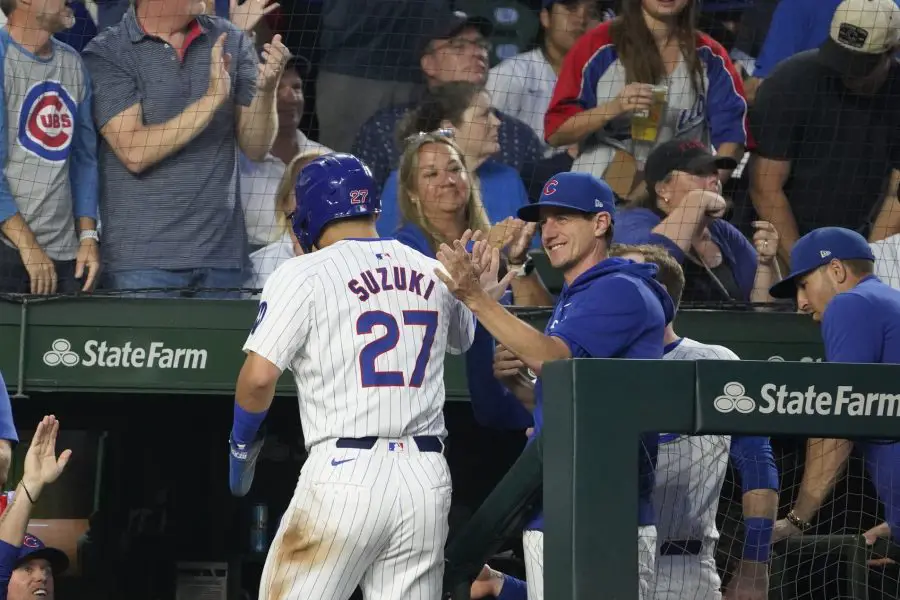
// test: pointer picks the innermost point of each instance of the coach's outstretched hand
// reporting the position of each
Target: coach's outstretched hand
(472, 276)
(750, 582)
(460, 274)
(487, 263)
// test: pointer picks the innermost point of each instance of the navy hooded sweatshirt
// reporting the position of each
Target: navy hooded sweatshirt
(615, 309)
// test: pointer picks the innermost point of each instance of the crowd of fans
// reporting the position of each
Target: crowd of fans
(152, 149)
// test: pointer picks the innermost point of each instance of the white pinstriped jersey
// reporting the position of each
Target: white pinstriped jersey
(363, 325)
(690, 470)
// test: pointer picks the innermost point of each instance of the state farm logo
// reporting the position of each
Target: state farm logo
(783, 399)
(60, 353)
(734, 397)
(130, 355)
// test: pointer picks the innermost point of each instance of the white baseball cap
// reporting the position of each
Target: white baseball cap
(862, 31)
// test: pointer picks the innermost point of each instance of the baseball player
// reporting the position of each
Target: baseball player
(363, 324)
(832, 280)
(690, 472)
(608, 308)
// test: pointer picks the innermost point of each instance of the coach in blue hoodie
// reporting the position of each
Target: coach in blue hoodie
(608, 308)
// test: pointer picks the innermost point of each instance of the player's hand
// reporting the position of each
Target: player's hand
(765, 240)
(274, 57)
(783, 529)
(459, 273)
(489, 583)
(219, 74)
(41, 466)
(40, 268)
(873, 535)
(750, 582)
(487, 264)
(87, 263)
(635, 97)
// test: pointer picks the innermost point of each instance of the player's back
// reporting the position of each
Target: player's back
(691, 469)
(375, 323)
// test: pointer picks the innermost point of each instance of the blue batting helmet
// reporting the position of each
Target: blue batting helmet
(332, 187)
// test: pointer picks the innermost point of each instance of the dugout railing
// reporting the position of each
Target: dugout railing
(594, 411)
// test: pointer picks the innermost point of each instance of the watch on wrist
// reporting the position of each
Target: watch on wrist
(526, 268)
(89, 234)
(797, 522)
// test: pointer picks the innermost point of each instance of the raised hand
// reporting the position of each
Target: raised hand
(246, 16)
(219, 74)
(42, 466)
(460, 274)
(517, 248)
(274, 57)
(765, 240)
(486, 260)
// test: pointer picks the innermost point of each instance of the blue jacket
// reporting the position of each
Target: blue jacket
(615, 309)
(862, 325)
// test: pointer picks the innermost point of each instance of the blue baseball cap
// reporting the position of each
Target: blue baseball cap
(576, 191)
(33, 548)
(819, 247)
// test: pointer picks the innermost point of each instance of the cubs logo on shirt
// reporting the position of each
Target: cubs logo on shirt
(47, 121)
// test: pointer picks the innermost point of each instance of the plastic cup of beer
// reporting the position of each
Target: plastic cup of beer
(645, 123)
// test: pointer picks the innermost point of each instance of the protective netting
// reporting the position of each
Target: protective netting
(830, 560)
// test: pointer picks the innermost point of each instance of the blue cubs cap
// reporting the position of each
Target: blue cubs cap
(576, 191)
(33, 548)
(819, 247)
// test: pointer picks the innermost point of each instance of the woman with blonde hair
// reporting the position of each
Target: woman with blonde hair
(268, 258)
(464, 110)
(438, 203)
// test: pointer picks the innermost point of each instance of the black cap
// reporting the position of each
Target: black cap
(450, 25)
(690, 156)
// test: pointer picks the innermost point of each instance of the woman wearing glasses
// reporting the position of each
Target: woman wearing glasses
(463, 111)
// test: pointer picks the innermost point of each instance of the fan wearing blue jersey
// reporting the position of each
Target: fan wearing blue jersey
(48, 187)
(832, 280)
(608, 308)
(690, 472)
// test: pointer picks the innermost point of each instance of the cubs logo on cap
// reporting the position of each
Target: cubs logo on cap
(550, 187)
(580, 192)
(33, 548)
(47, 121)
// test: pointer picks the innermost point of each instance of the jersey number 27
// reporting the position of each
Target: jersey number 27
(366, 323)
